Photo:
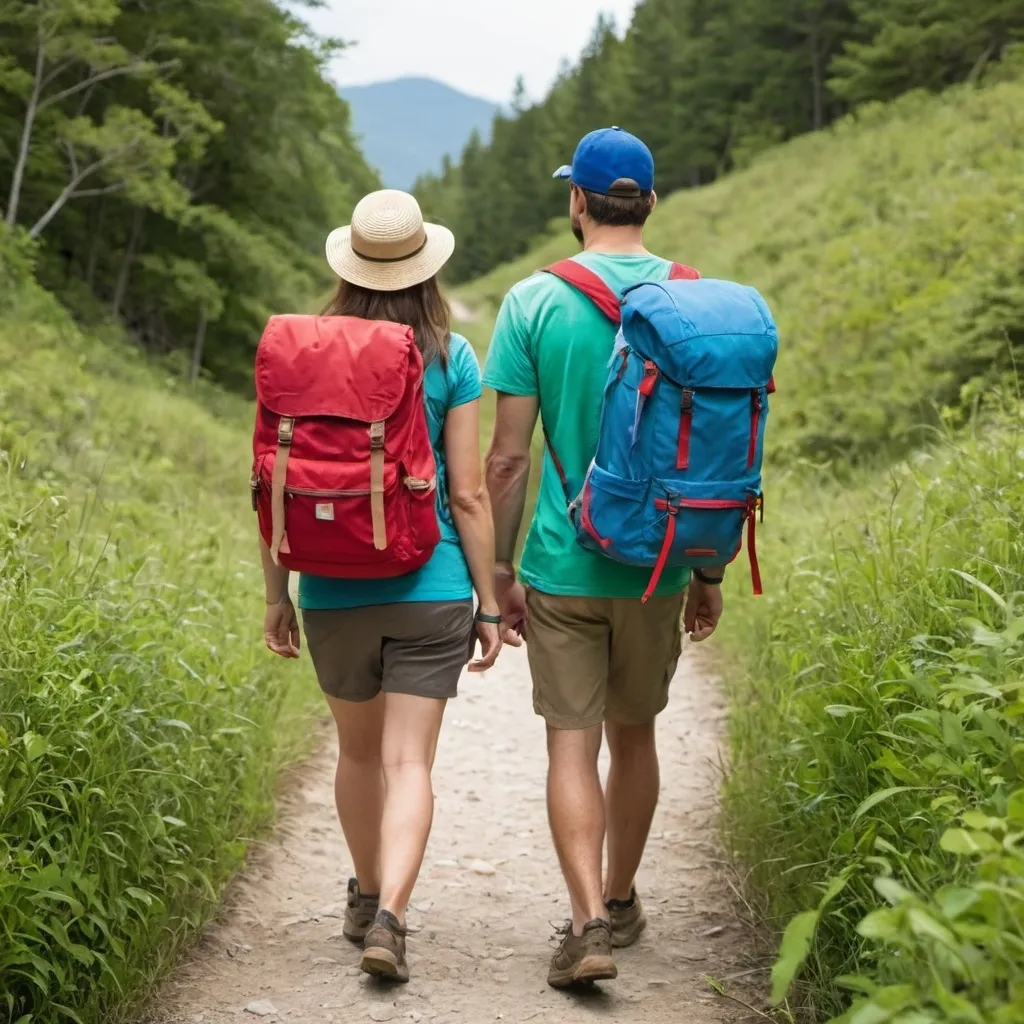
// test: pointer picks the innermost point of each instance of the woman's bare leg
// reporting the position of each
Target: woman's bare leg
(359, 784)
(411, 728)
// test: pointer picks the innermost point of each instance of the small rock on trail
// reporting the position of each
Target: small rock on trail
(483, 942)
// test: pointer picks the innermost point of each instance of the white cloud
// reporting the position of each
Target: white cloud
(478, 46)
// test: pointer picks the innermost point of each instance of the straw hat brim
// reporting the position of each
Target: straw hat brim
(390, 275)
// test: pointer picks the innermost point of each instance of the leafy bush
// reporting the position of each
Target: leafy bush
(877, 790)
(140, 727)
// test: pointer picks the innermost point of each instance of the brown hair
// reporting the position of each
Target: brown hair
(618, 211)
(422, 307)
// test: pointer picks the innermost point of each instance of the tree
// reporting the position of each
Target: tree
(923, 44)
(71, 57)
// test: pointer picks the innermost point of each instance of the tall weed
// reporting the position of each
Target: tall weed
(140, 728)
(877, 791)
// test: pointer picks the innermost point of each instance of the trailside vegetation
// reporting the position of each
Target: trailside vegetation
(179, 163)
(708, 86)
(142, 725)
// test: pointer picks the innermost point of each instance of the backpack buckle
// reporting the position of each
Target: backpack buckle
(285, 431)
(377, 436)
(686, 403)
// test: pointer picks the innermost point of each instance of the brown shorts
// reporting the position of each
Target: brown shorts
(419, 648)
(594, 658)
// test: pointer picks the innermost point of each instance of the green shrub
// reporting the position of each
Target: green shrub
(141, 726)
(878, 740)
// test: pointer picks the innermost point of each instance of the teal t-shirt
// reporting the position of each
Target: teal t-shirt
(550, 341)
(446, 576)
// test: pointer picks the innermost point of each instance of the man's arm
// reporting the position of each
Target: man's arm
(508, 470)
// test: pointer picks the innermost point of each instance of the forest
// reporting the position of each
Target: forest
(175, 164)
(708, 84)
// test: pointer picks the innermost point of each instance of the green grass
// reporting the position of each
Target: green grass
(878, 750)
(141, 724)
(876, 796)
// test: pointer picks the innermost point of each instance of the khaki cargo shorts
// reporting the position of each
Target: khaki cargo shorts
(595, 658)
(419, 648)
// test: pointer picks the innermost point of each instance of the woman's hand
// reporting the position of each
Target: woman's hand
(488, 635)
(281, 629)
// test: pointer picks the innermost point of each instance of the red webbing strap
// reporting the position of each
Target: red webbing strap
(559, 468)
(589, 284)
(755, 569)
(681, 272)
(666, 548)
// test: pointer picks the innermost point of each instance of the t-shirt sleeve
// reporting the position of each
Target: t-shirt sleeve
(463, 373)
(510, 366)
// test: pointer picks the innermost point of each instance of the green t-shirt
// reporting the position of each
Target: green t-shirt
(552, 342)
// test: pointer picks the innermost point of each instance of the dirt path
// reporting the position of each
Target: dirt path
(489, 895)
(461, 311)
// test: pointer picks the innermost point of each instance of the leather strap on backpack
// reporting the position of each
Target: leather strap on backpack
(380, 528)
(285, 433)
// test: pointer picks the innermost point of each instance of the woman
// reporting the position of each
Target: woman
(388, 653)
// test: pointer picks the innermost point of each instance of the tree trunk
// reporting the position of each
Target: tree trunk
(126, 263)
(197, 349)
(94, 249)
(817, 79)
(14, 197)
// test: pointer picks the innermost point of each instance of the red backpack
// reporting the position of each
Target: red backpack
(344, 473)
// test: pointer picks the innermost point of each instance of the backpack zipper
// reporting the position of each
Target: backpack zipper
(685, 428)
(757, 407)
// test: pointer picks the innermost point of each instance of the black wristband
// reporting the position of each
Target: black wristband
(708, 581)
(491, 620)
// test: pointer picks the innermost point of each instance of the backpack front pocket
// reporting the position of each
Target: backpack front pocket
(612, 506)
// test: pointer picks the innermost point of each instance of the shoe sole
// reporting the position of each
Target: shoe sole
(627, 936)
(382, 963)
(356, 937)
(586, 972)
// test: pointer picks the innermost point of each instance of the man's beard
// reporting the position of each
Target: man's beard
(577, 229)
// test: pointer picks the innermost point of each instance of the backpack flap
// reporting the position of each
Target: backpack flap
(703, 334)
(333, 366)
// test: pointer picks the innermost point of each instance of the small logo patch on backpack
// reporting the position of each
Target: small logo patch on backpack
(325, 511)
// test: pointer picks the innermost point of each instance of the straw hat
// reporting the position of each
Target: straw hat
(387, 246)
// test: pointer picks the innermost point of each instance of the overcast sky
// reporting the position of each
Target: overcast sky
(478, 46)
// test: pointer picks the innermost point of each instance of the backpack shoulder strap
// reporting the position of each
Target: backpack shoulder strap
(681, 272)
(589, 284)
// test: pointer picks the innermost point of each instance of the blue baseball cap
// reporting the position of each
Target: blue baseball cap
(610, 162)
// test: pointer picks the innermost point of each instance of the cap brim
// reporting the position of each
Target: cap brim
(565, 171)
(391, 276)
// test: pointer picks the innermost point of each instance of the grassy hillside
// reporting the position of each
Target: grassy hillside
(141, 724)
(876, 796)
(891, 249)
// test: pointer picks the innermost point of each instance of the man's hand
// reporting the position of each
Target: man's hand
(511, 596)
(703, 610)
(281, 629)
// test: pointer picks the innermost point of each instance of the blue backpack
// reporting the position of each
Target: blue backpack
(677, 473)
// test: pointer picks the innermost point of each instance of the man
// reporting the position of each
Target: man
(601, 660)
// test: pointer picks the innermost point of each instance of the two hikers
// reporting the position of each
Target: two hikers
(626, 548)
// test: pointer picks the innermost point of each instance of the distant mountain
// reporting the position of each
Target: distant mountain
(406, 126)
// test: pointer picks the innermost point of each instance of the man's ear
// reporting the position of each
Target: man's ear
(654, 200)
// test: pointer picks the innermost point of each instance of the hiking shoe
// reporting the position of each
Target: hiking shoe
(582, 959)
(628, 920)
(384, 948)
(359, 913)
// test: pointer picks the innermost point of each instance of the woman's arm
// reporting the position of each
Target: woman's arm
(471, 511)
(280, 624)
